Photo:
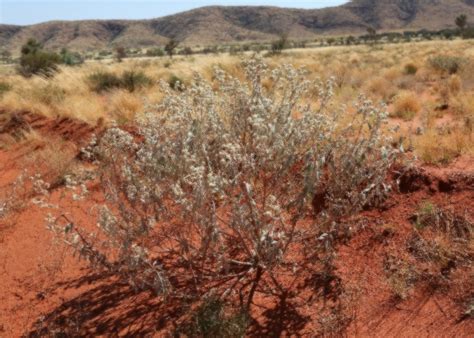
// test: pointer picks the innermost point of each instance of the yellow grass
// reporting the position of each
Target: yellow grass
(380, 73)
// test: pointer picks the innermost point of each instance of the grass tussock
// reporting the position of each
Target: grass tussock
(406, 106)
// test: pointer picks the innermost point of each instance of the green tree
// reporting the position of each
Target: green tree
(461, 22)
(171, 47)
(280, 44)
(372, 34)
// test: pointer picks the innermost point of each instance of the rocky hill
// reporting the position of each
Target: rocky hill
(217, 25)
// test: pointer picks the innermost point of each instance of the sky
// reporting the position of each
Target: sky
(26, 12)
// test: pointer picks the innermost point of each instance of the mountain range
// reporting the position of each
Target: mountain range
(222, 25)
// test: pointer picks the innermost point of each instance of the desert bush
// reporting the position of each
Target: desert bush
(220, 189)
(175, 82)
(447, 64)
(39, 63)
(102, 81)
(4, 87)
(130, 80)
(155, 52)
(71, 58)
(410, 69)
(278, 45)
(35, 61)
(406, 105)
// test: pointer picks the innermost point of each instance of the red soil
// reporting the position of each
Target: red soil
(43, 289)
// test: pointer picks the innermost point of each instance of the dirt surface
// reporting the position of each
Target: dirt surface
(45, 291)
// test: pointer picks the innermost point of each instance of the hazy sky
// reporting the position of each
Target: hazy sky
(23, 12)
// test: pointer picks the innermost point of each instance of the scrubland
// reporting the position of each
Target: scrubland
(320, 192)
(431, 102)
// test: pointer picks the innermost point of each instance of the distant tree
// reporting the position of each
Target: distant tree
(120, 53)
(280, 44)
(187, 51)
(372, 34)
(461, 22)
(34, 60)
(171, 47)
(350, 40)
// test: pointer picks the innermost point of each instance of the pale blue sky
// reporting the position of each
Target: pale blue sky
(23, 12)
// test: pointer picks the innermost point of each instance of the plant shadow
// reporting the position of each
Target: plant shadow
(107, 308)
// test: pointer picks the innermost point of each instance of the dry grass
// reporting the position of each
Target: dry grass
(406, 106)
(399, 75)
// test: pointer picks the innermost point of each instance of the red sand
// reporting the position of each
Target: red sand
(43, 286)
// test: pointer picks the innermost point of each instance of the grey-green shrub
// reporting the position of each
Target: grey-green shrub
(231, 183)
(102, 81)
(447, 64)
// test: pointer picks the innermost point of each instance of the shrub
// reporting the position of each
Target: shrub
(132, 80)
(171, 46)
(187, 51)
(406, 105)
(447, 64)
(120, 53)
(175, 82)
(129, 80)
(218, 190)
(280, 44)
(410, 69)
(71, 58)
(155, 52)
(35, 61)
(102, 81)
(4, 87)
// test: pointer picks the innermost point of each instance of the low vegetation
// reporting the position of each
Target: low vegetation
(35, 61)
(130, 80)
(221, 190)
(237, 186)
